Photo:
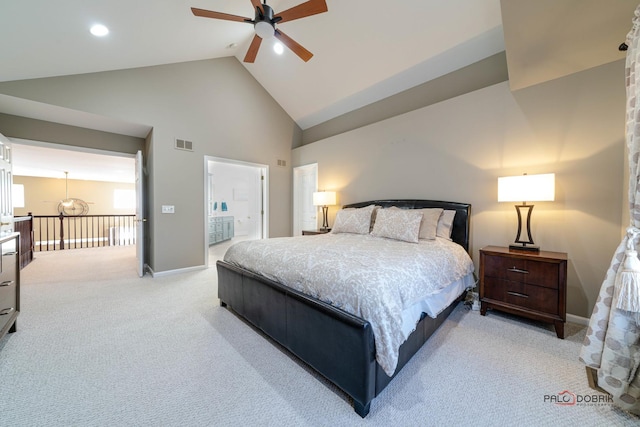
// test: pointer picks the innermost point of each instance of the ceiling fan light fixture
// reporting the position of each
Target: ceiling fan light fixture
(278, 48)
(264, 23)
(264, 29)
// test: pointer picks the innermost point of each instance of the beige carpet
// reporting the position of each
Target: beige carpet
(97, 346)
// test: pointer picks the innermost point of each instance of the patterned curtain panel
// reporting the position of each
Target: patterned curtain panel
(612, 343)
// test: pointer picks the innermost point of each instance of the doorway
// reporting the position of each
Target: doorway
(236, 204)
(305, 214)
(108, 183)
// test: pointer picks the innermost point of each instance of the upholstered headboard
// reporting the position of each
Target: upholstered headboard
(461, 221)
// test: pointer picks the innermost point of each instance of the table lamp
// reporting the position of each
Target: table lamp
(526, 188)
(324, 199)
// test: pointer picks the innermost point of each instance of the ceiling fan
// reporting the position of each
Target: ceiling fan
(265, 22)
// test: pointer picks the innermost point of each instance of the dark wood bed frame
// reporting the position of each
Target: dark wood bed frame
(338, 345)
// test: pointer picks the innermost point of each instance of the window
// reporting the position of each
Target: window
(18, 195)
(124, 199)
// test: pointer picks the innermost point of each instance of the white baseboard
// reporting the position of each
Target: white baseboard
(577, 319)
(177, 271)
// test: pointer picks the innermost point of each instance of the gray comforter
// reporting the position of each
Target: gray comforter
(373, 278)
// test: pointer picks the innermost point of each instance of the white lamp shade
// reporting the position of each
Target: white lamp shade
(324, 198)
(527, 188)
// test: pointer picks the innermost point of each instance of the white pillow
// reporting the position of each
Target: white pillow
(398, 224)
(373, 215)
(445, 224)
(355, 221)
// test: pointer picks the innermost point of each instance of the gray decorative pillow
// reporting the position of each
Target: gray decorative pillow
(429, 224)
(356, 221)
(398, 224)
(445, 224)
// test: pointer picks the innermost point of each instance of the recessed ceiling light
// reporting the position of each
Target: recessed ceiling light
(278, 48)
(99, 30)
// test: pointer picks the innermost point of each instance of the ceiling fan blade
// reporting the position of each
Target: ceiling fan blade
(296, 48)
(308, 8)
(253, 49)
(219, 15)
(257, 4)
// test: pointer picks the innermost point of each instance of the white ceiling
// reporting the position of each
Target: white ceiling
(357, 44)
(364, 50)
(31, 158)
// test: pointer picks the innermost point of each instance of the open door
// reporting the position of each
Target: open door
(139, 216)
(6, 183)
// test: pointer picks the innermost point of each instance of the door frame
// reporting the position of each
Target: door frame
(140, 245)
(264, 190)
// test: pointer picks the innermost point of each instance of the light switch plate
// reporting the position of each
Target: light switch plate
(168, 209)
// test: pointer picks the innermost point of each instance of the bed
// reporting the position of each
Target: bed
(324, 333)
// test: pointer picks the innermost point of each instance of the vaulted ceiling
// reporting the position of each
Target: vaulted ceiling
(364, 50)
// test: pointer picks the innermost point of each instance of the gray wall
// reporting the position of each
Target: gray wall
(487, 72)
(455, 150)
(40, 130)
(452, 150)
(216, 104)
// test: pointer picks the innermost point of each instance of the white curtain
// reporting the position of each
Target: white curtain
(612, 343)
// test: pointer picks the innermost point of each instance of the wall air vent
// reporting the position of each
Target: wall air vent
(183, 144)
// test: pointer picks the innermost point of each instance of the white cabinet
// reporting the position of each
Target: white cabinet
(220, 229)
(9, 283)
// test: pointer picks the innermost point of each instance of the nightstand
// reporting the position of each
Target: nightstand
(529, 284)
(313, 232)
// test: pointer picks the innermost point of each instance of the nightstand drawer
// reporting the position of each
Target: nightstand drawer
(504, 268)
(528, 296)
(525, 271)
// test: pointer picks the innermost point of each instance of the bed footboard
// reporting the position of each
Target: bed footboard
(338, 345)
